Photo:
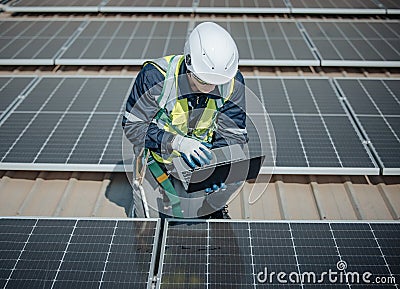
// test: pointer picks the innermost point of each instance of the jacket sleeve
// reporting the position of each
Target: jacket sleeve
(231, 121)
(141, 107)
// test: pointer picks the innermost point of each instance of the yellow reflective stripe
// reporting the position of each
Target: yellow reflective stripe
(205, 125)
(168, 58)
(162, 178)
(207, 117)
(159, 159)
(231, 89)
(177, 72)
(180, 114)
(178, 66)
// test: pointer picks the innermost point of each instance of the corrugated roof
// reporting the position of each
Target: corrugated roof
(64, 194)
(287, 197)
(323, 197)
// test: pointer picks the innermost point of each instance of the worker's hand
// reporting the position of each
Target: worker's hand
(215, 188)
(193, 152)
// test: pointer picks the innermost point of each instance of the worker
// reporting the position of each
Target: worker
(186, 105)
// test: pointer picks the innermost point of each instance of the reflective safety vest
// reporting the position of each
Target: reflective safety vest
(173, 115)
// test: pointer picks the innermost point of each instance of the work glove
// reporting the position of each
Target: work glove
(215, 188)
(192, 151)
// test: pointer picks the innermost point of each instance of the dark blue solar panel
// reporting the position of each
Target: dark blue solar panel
(288, 254)
(77, 253)
(66, 120)
(311, 125)
(376, 105)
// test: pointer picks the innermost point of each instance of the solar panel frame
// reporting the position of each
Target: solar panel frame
(38, 6)
(84, 234)
(393, 11)
(49, 118)
(278, 245)
(163, 6)
(377, 116)
(273, 6)
(332, 50)
(302, 120)
(340, 7)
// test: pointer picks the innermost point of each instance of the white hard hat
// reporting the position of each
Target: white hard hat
(211, 53)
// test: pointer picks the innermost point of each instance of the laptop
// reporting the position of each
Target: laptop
(229, 165)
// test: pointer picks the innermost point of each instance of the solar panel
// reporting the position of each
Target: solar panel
(336, 7)
(12, 90)
(77, 253)
(133, 42)
(73, 123)
(355, 43)
(125, 42)
(289, 254)
(143, 6)
(33, 42)
(263, 43)
(67, 123)
(237, 6)
(314, 133)
(53, 6)
(270, 43)
(375, 103)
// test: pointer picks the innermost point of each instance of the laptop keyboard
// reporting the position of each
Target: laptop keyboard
(224, 155)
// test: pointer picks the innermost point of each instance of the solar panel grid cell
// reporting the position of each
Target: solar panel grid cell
(303, 113)
(193, 274)
(349, 4)
(62, 253)
(111, 42)
(10, 89)
(377, 108)
(68, 117)
(355, 43)
(126, 40)
(34, 42)
(252, 254)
